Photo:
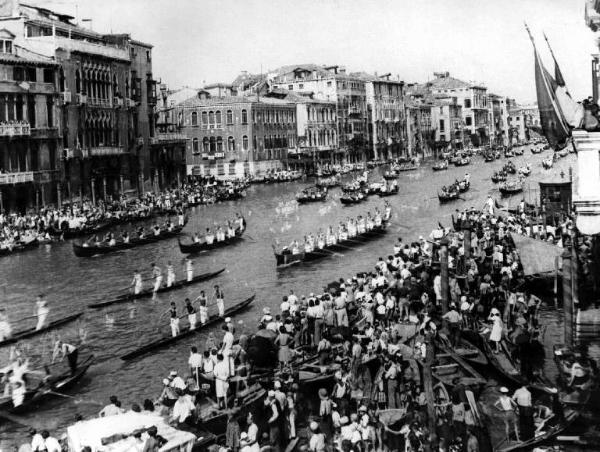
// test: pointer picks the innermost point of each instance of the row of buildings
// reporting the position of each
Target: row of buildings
(82, 116)
(308, 115)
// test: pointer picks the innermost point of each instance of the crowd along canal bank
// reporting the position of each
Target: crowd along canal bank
(71, 283)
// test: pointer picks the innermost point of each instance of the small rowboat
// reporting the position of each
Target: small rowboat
(59, 383)
(407, 167)
(581, 394)
(149, 292)
(307, 196)
(189, 248)
(511, 188)
(498, 177)
(536, 150)
(510, 168)
(288, 259)
(167, 340)
(489, 158)
(352, 198)
(83, 250)
(448, 196)
(33, 332)
(440, 166)
(449, 366)
(518, 151)
(388, 192)
(462, 161)
(547, 163)
(19, 247)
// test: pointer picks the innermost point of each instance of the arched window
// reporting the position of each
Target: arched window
(230, 144)
(218, 118)
(245, 119)
(194, 118)
(205, 145)
(254, 142)
(204, 118)
(195, 144)
(211, 117)
(219, 144)
(115, 85)
(244, 139)
(213, 144)
(229, 117)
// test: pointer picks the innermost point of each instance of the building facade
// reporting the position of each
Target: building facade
(420, 131)
(386, 124)
(447, 122)
(30, 148)
(522, 119)
(233, 136)
(498, 120)
(347, 91)
(107, 96)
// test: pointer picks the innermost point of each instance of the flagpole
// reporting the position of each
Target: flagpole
(551, 52)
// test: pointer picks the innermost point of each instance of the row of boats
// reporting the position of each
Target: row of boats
(453, 191)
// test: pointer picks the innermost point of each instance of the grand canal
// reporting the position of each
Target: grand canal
(70, 283)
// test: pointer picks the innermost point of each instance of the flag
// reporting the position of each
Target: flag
(554, 126)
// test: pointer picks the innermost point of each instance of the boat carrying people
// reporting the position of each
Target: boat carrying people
(217, 237)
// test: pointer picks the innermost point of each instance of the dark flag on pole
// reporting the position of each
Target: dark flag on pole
(554, 126)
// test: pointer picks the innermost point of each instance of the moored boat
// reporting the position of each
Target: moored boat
(499, 176)
(579, 392)
(548, 163)
(30, 332)
(463, 161)
(448, 196)
(19, 247)
(443, 165)
(389, 191)
(84, 249)
(312, 194)
(511, 188)
(198, 247)
(352, 198)
(167, 340)
(149, 292)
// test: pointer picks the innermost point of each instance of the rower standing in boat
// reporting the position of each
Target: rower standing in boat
(137, 282)
(191, 312)
(240, 221)
(170, 274)
(41, 312)
(189, 269)
(174, 323)
(202, 301)
(5, 328)
(209, 237)
(66, 351)
(220, 299)
(158, 278)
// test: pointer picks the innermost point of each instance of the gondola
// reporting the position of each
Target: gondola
(83, 250)
(190, 248)
(575, 396)
(20, 247)
(327, 183)
(30, 332)
(449, 366)
(536, 150)
(352, 198)
(465, 349)
(167, 340)
(441, 166)
(59, 383)
(464, 185)
(388, 192)
(287, 259)
(547, 163)
(305, 197)
(464, 161)
(407, 167)
(489, 158)
(498, 177)
(503, 361)
(149, 292)
(448, 196)
(509, 154)
(555, 427)
(510, 188)
(519, 151)
(509, 168)
(390, 175)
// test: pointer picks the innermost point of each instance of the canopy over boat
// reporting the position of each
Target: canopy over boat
(115, 433)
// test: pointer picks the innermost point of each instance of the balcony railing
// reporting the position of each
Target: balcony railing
(103, 151)
(44, 132)
(354, 110)
(165, 138)
(99, 102)
(8, 129)
(28, 176)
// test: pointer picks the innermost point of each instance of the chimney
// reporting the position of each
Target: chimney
(342, 70)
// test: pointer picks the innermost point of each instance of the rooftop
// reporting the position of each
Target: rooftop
(229, 100)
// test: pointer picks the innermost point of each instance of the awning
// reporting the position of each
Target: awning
(537, 256)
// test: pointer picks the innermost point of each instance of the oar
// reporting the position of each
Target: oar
(77, 400)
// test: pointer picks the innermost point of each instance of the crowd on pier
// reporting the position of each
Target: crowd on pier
(369, 330)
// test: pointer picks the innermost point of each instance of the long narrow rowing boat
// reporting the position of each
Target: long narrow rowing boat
(287, 259)
(56, 384)
(172, 339)
(33, 332)
(149, 292)
(188, 248)
(83, 250)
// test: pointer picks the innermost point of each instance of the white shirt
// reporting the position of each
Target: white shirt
(52, 445)
(227, 342)
(221, 370)
(178, 383)
(183, 408)
(37, 442)
(285, 306)
(110, 410)
(195, 360)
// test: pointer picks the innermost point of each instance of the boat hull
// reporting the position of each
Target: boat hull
(190, 248)
(33, 332)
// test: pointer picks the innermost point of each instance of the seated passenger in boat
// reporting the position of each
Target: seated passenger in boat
(295, 247)
(343, 234)
(170, 226)
(321, 242)
(378, 219)
(112, 241)
(196, 238)
(125, 237)
(370, 223)
(230, 231)
(209, 237)
(308, 247)
(220, 234)
(351, 229)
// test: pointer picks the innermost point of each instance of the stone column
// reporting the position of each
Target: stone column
(93, 191)
(444, 273)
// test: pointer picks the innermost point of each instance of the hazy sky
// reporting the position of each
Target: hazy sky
(198, 41)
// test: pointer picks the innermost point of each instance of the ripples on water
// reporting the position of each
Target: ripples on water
(70, 283)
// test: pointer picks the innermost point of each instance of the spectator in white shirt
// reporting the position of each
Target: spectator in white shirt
(113, 408)
(183, 409)
(51, 444)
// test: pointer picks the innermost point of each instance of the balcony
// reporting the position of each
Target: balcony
(103, 151)
(168, 138)
(47, 45)
(28, 176)
(99, 102)
(20, 128)
(44, 132)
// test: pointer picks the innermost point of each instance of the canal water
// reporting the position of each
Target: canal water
(70, 283)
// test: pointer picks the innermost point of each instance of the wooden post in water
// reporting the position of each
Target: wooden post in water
(466, 227)
(574, 275)
(444, 273)
(428, 383)
(567, 297)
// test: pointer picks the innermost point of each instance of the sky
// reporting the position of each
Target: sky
(205, 41)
